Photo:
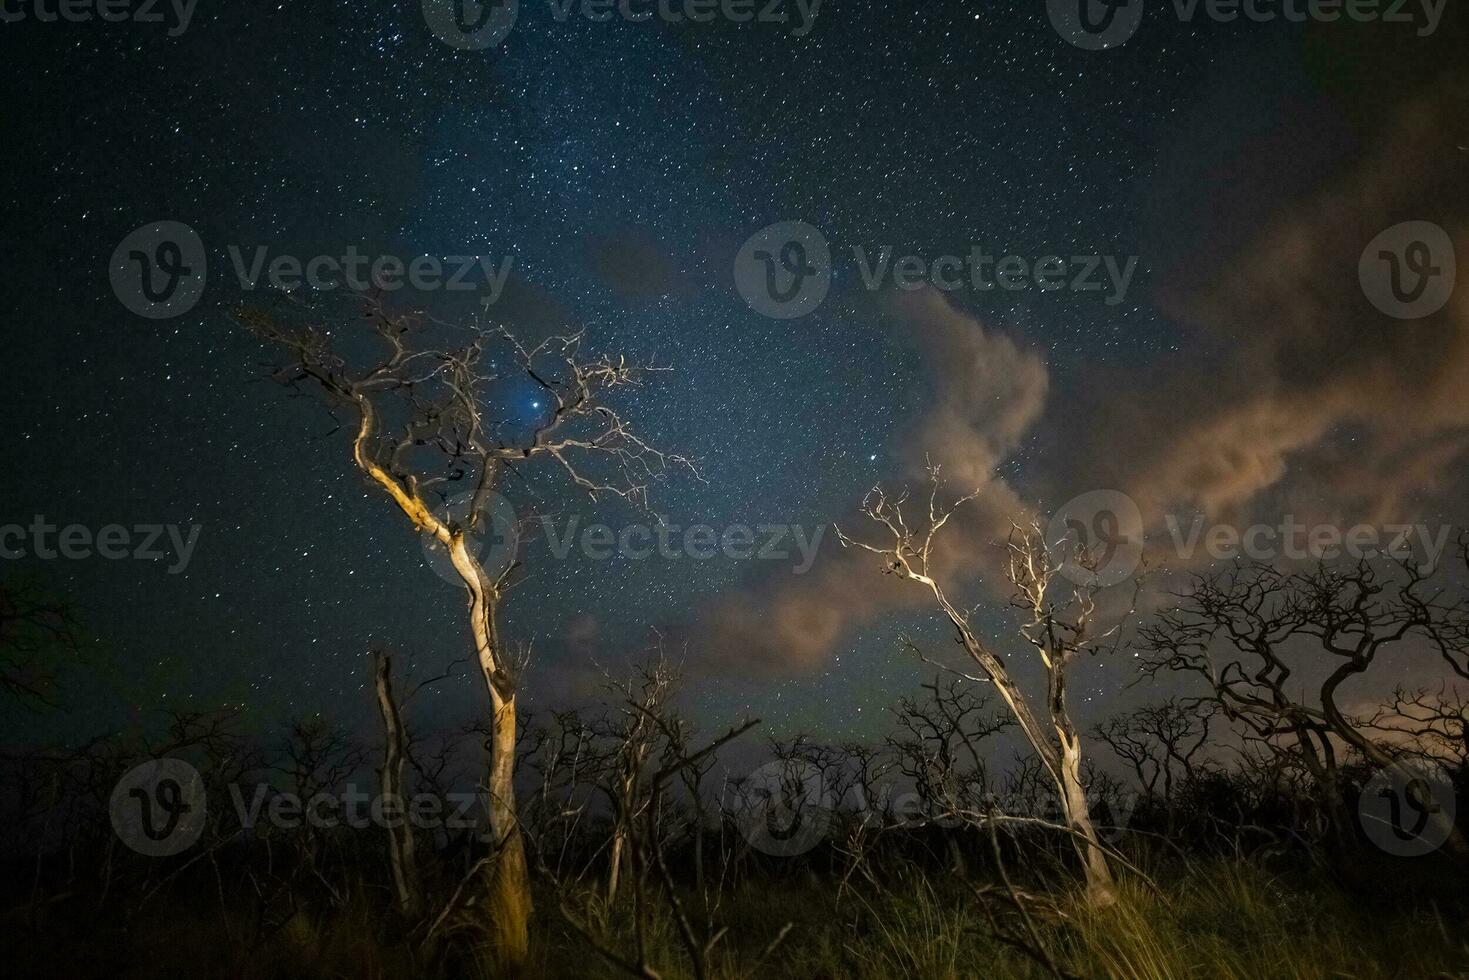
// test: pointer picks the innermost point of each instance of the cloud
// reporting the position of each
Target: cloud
(1288, 391)
(988, 391)
(1291, 388)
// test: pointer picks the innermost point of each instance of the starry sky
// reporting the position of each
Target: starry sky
(623, 165)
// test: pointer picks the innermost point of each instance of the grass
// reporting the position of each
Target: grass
(1219, 920)
(1208, 920)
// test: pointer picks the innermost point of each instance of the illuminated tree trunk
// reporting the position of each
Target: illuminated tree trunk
(402, 856)
(509, 882)
(1100, 888)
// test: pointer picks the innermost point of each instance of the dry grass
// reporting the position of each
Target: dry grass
(1219, 921)
(1211, 921)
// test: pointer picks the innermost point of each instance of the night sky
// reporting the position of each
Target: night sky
(623, 165)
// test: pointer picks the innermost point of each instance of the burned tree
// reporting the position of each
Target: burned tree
(433, 411)
(1430, 725)
(937, 745)
(1247, 630)
(402, 849)
(1058, 632)
(633, 736)
(1162, 743)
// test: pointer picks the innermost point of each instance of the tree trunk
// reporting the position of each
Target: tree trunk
(1101, 891)
(1064, 770)
(509, 881)
(509, 904)
(401, 853)
(614, 863)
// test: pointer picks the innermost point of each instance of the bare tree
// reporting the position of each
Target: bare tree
(402, 856)
(1058, 632)
(1430, 724)
(1162, 743)
(650, 878)
(318, 757)
(566, 764)
(938, 744)
(635, 737)
(426, 420)
(868, 764)
(1246, 629)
